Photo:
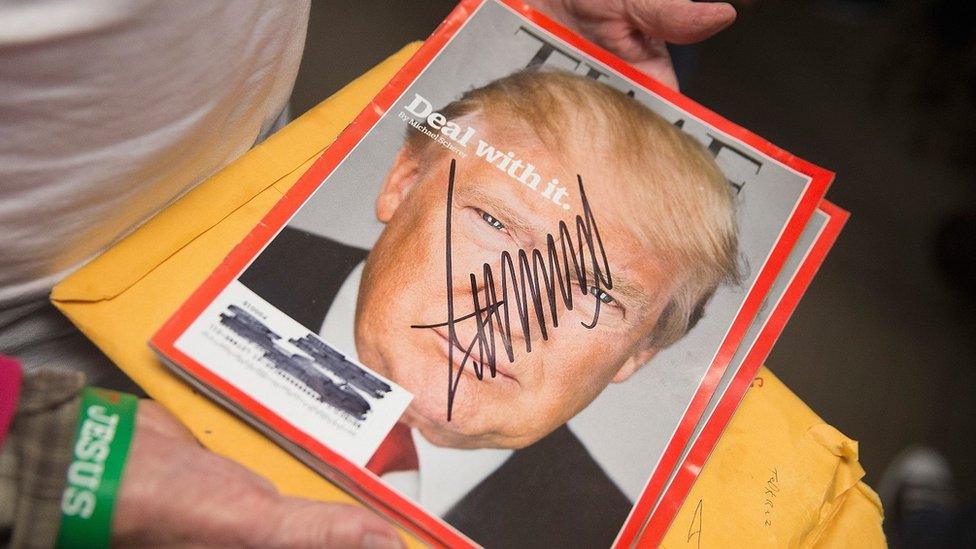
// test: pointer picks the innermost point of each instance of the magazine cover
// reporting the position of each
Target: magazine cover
(498, 306)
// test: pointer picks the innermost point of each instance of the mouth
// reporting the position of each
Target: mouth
(460, 356)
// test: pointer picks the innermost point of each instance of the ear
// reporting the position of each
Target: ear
(640, 357)
(400, 179)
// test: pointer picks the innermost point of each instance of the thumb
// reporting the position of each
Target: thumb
(296, 522)
(658, 64)
(679, 21)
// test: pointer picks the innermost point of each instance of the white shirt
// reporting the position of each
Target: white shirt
(445, 475)
(112, 109)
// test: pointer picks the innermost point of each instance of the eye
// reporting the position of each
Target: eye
(602, 296)
(492, 221)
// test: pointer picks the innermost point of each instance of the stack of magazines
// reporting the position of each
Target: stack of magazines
(519, 298)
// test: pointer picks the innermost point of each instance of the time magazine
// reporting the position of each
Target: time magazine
(518, 299)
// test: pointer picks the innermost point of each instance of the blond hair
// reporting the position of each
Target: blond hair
(694, 230)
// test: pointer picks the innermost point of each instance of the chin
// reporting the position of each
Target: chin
(475, 423)
(428, 413)
(482, 413)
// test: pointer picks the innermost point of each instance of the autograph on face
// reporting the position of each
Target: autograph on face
(541, 278)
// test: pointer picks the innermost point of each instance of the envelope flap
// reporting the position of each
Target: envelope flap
(132, 258)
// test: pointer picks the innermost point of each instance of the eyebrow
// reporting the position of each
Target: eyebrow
(622, 286)
(634, 296)
(493, 204)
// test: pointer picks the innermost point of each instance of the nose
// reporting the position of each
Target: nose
(523, 304)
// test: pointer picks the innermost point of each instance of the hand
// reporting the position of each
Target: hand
(637, 30)
(175, 493)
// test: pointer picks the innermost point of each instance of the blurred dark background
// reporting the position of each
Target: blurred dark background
(883, 345)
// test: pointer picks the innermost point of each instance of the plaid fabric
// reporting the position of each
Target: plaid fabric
(36, 455)
(10, 376)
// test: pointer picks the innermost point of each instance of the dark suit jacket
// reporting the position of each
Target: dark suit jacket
(551, 494)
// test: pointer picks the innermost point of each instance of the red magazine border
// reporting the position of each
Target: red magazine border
(371, 488)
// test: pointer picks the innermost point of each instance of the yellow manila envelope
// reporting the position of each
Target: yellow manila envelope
(779, 477)
(122, 297)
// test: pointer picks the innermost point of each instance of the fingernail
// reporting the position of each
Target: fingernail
(376, 540)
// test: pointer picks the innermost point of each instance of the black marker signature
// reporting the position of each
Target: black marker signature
(534, 284)
(695, 528)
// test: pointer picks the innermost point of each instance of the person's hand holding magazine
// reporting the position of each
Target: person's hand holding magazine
(638, 30)
(176, 493)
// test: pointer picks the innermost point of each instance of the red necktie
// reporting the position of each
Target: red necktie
(396, 453)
